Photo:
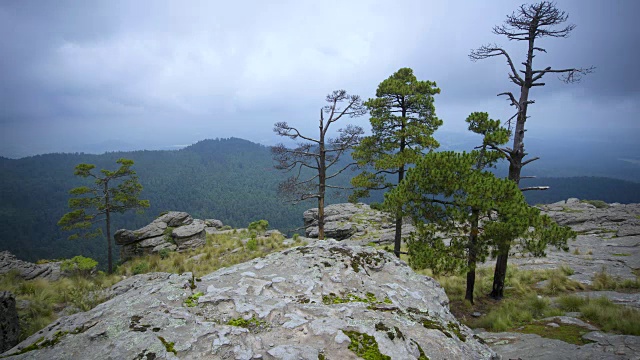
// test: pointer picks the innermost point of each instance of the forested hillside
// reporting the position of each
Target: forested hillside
(228, 179)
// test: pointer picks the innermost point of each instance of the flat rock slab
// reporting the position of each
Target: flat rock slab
(568, 320)
(302, 303)
(531, 346)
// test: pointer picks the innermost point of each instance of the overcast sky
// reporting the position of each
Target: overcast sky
(162, 73)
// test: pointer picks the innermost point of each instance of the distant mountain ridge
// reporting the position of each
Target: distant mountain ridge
(228, 179)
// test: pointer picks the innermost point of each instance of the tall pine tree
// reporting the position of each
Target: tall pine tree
(403, 121)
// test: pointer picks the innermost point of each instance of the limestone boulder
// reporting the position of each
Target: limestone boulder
(312, 302)
(217, 224)
(356, 222)
(190, 236)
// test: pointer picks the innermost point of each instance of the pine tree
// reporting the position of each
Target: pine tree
(464, 213)
(403, 121)
(114, 192)
(529, 23)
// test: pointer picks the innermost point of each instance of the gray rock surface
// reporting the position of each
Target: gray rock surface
(176, 218)
(175, 230)
(27, 270)
(9, 324)
(531, 346)
(296, 304)
(357, 222)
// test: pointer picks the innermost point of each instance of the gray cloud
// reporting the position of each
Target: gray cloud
(162, 73)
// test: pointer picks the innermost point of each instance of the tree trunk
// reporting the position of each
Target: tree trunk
(321, 218)
(472, 258)
(108, 220)
(515, 167)
(397, 239)
(322, 179)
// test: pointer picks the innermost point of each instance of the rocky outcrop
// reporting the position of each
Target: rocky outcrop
(607, 240)
(584, 217)
(328, 301)
(357, 222)
(175, 231)
(27, 270)
(9, 325)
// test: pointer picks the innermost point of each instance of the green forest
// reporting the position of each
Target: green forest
(232, 180)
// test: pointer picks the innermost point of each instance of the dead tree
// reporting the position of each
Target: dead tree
(528, 23)
(311, 160)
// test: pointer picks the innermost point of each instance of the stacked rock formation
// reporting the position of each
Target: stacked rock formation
(175, 231)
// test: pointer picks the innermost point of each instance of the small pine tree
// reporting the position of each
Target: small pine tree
(95, 204)
(464, 213)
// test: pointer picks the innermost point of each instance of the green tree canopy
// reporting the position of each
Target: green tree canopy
(464, 213)
(403, 121)
(114, 192)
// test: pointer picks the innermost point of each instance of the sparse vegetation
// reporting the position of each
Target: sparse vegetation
(602, 280)
(192, 301)
(597, 203)
(259, 226)
(571, 334)
(606, 315)
(365, 346)
(252, 323)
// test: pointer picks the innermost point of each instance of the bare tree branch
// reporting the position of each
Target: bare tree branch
(534, 188)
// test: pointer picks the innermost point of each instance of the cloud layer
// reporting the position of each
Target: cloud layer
(161, 73)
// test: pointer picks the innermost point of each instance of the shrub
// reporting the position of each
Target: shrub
(79, 265)
(164, 253)
(252, 244)
(259, 226)
(140, 268)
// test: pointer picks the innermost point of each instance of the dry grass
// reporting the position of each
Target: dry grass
(221, 250)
